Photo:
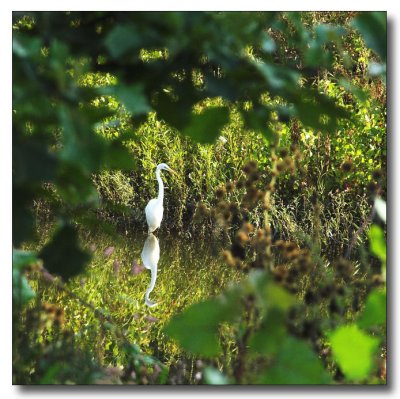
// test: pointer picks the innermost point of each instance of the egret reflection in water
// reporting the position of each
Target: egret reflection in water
(150, 257)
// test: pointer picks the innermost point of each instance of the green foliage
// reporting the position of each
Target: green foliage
(196, 329)
(373, 26)
(21, 290)
(267, 339)
(377, 242)
(205, 128)
(295, 363)
(354, 351)
(374, 313)
(100, 98)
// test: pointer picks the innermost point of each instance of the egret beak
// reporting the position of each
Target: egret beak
(173, 172)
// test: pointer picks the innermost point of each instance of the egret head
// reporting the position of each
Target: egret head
(164, 166)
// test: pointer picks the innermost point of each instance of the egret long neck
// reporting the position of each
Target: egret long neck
(160, 185)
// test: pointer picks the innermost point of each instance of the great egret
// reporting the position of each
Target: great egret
(154, 209)
(150, 257)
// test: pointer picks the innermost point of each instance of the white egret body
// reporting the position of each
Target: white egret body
(150, 257)
(155, 209)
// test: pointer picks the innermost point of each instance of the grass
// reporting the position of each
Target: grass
(187, 273)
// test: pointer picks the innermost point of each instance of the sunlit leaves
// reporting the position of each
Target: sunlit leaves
(374, 313)
(63, 255)
(354, 351)
(295, 363)
(206, 127)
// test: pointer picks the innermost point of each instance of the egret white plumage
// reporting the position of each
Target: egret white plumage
(154, 209)
(150, 257)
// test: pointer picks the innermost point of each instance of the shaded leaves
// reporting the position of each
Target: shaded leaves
(63, 255)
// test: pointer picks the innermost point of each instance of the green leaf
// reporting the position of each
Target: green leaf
(75, 186)
(354, 351)
(329, 33)
(257, 119)
(62, 255)
(176, 113)
(22, 291)
(206, 127)
(267, 340)
(26, 47)
(377, 242)
(196, 329)
(374, 313)
(213, 376)
(32, 162)
(278, 77)
(318, 111)
(268, 294)
(295, 363)
(133, 97)
(357, 91)
(373, 26)
(119, 157)
(123, 39)
(22, 259)
(23, 222)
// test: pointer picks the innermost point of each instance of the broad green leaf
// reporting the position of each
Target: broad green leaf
(26, 47)
(278, 77)
(318, 111)
(133, 97)
(354, 351)
(257, 120)
(213, 376)
(123, 39)
(196, 328)
(329, 33)
(75, 186)
(63, 255)
(176, 113)
(23, 222)
(373, 26)
(268, 338)
(295, 363)
(118, 157)
(357, 91)
(22, 291)
(269, 295)
(206, 127)
(377, 242)
(374, 313)
(22, 259)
